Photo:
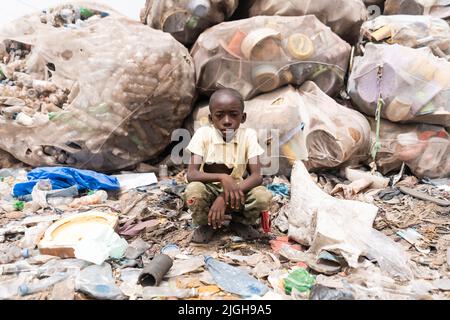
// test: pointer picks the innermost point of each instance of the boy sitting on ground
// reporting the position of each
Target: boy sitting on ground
(221, 154)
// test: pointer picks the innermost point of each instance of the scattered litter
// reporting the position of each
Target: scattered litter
(234, 280)
(135, 180)
(88, 236)
(414, 238)
(299, 279)
(442, 284)
(319, 292)
(136, 249)
(185, 266)
(98, 282)
(424, 196)
(64, 177)
(155, 270)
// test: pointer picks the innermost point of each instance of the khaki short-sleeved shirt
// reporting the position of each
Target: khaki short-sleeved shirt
(208, 143)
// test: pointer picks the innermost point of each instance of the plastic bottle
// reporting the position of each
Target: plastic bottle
(233, 279)
(17, 267)
(98, 197)
(98, 282)
(12, 254)
(41, 285)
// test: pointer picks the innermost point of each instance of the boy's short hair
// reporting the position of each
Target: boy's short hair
(227, 92)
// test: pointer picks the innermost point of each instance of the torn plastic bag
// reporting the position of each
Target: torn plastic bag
(261, 54)
(64, 177)
(308, 125)
(413, 84)
(410, 31)
(98, 282)
(186, 19)
(344, 227)
(425, 149)
(105, 98)
(436, 8)
(344, 17)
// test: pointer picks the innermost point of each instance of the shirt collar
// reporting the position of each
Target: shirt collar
(218, 139)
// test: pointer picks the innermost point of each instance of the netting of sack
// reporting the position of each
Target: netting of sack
(424, 148)
(344, 17)
(186, 19)
(261, 54)
(410, 31)
(100, 92)
(310, 126)
(412, 83)
(436, 8)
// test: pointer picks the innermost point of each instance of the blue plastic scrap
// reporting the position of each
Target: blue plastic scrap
(280, 188)
(234, 280)
(65, 177)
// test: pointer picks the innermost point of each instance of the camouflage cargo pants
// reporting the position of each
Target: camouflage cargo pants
(199, 198)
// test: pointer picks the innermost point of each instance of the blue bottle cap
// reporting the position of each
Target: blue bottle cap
(23, 289)
(26, 253)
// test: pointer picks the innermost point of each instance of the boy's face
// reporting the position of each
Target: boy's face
(227, 115)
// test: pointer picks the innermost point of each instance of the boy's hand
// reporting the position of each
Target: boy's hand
(216, 214)
(233, 194)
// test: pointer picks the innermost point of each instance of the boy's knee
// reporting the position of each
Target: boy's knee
(193, 192)
(262, 197)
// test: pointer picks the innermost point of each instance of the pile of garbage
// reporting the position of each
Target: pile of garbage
(359, 137)
(104, 98)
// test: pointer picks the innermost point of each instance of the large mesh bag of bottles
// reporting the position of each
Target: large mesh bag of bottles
(436, 8)
(404, 84)
(100, 92)
(186, 19)
(303, 124)
(424, 148)
(344, 17)
(410, 31)
(261, 54)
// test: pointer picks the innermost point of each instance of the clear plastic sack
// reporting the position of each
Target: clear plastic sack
(425, 149)
(436, 8)
(261, 54)
(186, 19)
(410, 31)
(344, 17)
(105, 98)
(413, 84)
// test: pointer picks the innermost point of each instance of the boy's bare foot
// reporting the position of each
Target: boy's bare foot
(203, 234)
(246, 232)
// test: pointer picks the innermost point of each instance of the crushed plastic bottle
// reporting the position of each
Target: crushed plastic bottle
(9, 289)
(70, 266)
(41, 285)
(98, 282)
(12, 253)
(234, 280)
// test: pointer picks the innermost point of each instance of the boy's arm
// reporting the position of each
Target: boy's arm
(194, 173)
(255, 178)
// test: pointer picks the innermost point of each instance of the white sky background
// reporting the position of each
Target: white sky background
(13, 9)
